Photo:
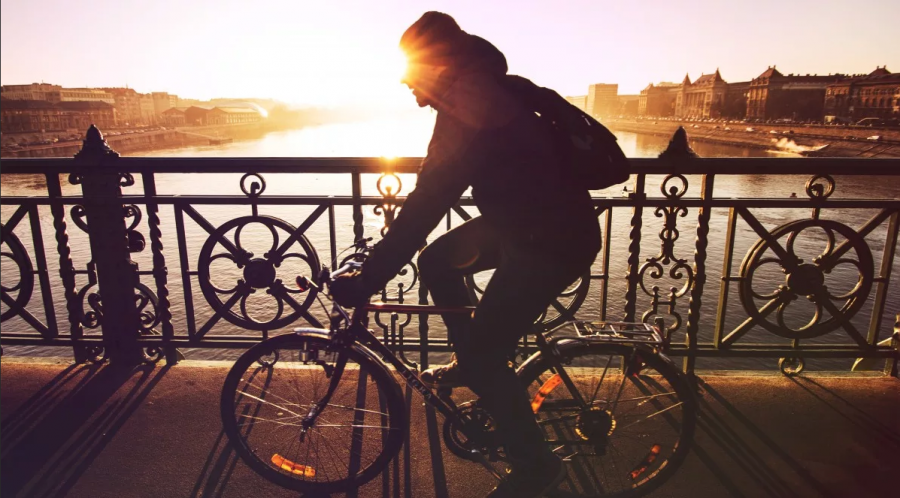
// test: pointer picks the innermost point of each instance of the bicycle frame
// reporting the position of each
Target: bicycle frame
(358, 332)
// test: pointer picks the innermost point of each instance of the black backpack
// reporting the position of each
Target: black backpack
(589, 150)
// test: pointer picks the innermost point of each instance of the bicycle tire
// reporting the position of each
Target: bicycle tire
(271, 451)
(650, 453)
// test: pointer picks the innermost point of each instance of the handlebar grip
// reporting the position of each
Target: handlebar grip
(348, 267)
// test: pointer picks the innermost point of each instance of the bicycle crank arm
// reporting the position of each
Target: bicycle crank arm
(478, 457)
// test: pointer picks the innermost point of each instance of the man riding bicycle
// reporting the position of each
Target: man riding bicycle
(537, 229)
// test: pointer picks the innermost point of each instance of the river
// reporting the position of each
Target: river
(409, 137)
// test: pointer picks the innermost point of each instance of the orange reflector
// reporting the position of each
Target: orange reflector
(545, 389)
(644, 465)
(293, 468)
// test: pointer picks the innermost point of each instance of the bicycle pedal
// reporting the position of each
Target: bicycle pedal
(478, 457)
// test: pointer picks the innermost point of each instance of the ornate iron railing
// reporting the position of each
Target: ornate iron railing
(138, 318)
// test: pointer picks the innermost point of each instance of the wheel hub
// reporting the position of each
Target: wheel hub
(595, 425)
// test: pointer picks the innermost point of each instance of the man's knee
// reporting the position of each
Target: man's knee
(437, 263)
(431, 265)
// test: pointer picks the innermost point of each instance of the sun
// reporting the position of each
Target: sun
(396, 64)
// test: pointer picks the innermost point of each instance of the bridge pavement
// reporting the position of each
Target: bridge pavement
(82, 431)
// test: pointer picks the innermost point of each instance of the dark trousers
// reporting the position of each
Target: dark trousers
(527, 277)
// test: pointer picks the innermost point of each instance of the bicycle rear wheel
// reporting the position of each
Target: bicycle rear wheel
(622, 431)
(272, 387)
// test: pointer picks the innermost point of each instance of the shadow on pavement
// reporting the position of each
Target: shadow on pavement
(767, 477)
(54, 437)
(879, 432)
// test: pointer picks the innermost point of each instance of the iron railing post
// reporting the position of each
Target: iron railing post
(634, 247)
(160, 271)
(101, 184)
(66, 266)
(679, 151)
(358, 229)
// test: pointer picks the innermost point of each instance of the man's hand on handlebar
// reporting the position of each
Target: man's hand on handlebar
(348, 289)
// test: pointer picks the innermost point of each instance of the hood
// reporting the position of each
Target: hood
(476, 54)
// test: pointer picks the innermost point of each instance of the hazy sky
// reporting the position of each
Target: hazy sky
(333, 52)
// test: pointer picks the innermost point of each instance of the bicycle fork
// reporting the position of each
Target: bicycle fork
(310, 419)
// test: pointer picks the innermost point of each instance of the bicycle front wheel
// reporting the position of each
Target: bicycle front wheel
(273, 386)
(621, 418)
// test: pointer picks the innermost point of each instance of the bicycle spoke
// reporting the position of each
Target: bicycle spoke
(603, 376)
(648, 417)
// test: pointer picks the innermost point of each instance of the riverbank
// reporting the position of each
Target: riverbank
(828, 141)
(142, 141)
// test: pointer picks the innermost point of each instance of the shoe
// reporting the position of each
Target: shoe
(446, 376)
(531, 482)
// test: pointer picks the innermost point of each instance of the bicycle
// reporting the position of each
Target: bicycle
(321, 411)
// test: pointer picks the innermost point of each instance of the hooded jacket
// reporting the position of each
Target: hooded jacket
(484, 138)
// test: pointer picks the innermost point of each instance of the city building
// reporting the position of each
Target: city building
(163, 101)
(602, 99)
(196, 116)
(128, 106)
(232, 115)
(34, 91)
(704, 98)
(173, 117)
(86, 95)
(579, 101)
(874, 95)
(735, 106)
(658, 100)
(20, 115)
(148, 110)
(81, 114)
(55, 93)
(772, 95)
(628, 105)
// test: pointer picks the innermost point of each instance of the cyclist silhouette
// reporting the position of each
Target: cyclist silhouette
(537, 229)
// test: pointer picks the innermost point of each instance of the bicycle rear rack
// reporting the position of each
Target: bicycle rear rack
(619, 332)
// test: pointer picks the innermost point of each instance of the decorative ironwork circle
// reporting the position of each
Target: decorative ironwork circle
(807, 280)
(816, 190)
(791, 366)
(24, 287)
(674, 191)
(258, 273)
(95, 353)
(256, 188)
(145, 300)
(388, 190)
